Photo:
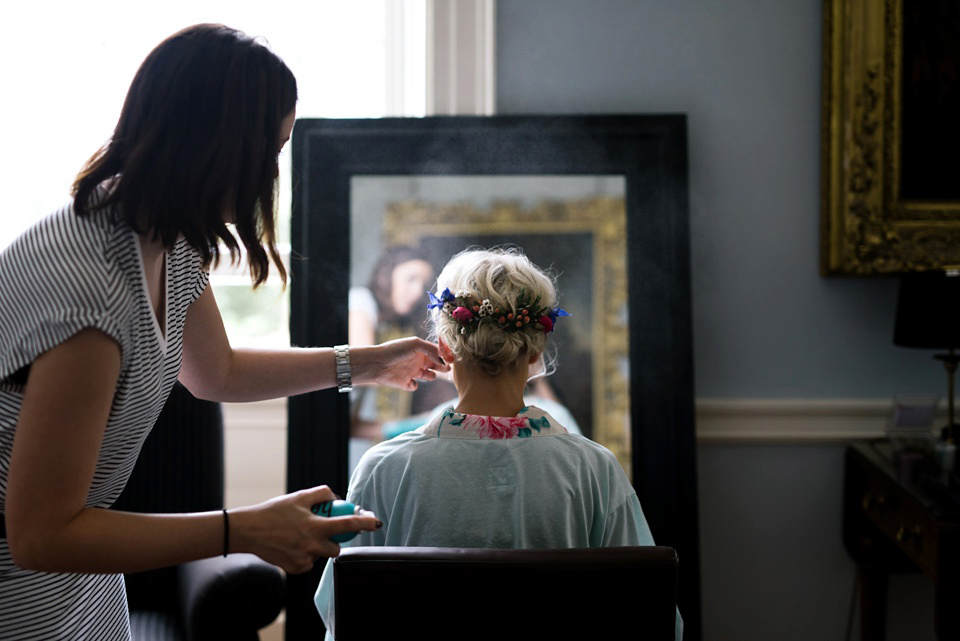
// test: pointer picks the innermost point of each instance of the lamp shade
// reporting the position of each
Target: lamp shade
(928, 311)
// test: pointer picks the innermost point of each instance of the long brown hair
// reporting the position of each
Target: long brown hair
(196, 143)
(381, 284)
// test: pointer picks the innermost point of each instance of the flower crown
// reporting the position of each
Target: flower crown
(469, 313)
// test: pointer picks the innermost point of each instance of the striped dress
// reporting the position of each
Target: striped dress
(65, 274)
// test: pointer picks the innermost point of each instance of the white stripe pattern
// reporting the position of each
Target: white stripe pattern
(65, 274)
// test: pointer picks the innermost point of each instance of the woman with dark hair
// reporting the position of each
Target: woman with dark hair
(392, 298)
(105, 304)
(388, 308)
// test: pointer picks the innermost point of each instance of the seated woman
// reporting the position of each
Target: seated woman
(493, 472)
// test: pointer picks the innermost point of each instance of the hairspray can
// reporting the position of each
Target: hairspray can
(337, 508)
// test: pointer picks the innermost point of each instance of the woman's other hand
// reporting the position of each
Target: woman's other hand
(283, 531)
(399, 363)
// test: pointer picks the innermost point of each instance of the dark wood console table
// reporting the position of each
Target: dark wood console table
(889, 526)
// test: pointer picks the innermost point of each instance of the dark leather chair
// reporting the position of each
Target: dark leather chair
(467, 593)
(181, 469)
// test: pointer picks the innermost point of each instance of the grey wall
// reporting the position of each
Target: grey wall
(747, 74)
(766, 325)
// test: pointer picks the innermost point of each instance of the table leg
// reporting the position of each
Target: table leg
(945, 608)
(873, 603)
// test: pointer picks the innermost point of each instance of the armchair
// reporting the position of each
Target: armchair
(181, 469)
(470, 593)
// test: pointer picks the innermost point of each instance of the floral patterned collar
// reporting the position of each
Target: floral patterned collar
(529, 421)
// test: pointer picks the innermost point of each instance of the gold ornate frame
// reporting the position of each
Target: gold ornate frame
(604, 219)
(867, 226)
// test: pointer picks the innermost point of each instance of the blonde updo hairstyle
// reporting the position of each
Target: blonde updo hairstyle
(498, 275)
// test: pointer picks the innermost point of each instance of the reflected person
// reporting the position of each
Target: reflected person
(389, 307)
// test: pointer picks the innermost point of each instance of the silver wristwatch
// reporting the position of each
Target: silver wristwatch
(341, 354)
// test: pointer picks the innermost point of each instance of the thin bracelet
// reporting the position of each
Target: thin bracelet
(341, 354)
(226, 532)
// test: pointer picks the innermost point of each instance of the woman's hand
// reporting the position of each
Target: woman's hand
(399, 363)
(213, 370)
(283, 531)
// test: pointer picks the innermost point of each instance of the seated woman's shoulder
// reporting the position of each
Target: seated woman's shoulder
(398, 446)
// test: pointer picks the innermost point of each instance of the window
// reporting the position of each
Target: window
(66, 80)
(356, 60)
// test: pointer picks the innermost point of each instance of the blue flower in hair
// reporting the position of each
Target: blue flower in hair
(445, 297)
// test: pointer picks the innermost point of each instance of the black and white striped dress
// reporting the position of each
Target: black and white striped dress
(65, 274)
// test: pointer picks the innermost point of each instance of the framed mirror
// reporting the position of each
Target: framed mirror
(407, 227)
(602, 200)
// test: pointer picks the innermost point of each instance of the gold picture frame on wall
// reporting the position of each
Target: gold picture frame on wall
(586, 241)
(890, 198)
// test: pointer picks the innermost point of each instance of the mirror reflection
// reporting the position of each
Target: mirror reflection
(405, 228)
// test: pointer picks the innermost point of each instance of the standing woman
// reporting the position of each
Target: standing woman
(105, 304)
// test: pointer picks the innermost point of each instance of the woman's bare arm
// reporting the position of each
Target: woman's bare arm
(61, 426)
(214, 370)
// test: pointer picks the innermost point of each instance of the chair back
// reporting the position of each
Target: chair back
(180, 469)
(457, 593)
(181, 464)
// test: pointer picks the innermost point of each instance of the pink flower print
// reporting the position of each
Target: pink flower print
(495, 426)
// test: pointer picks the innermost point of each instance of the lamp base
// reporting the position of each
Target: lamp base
(946, 453)
(944, 489)
(948, 433)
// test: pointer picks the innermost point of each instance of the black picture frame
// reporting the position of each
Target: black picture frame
(648, 151)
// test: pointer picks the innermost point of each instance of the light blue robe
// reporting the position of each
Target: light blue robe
(478, 481)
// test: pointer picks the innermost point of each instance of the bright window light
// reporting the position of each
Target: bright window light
(65, 77)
